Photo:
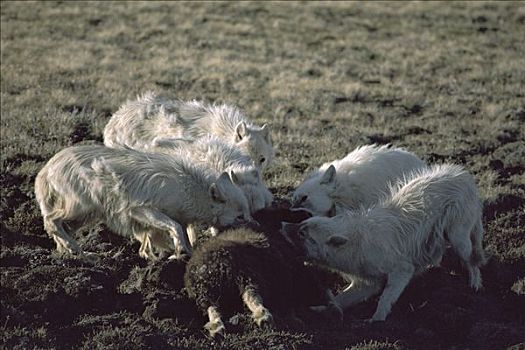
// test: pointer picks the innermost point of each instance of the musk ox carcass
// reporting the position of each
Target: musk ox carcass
(256, 266)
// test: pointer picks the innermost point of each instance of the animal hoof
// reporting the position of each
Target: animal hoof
(265, 318)
(215, 329)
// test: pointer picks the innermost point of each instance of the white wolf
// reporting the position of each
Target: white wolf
(221, 156)
(359, 179)
(137, 123)
(386, 245)
(151, 197)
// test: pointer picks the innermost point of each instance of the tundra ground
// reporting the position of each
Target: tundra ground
(444, 80)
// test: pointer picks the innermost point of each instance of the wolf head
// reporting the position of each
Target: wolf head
(250, 181)
(256, 142)
(229, 204)
(316, 193)
(320, 237)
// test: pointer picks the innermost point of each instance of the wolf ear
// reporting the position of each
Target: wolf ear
(216, 191)
(266, 133)
(224, 178)
(329, 176)
(216, 194)
(241, 131)
(336, 240)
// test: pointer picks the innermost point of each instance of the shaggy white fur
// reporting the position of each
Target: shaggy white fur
(137, 123)
(142, 195)
(386, 245)
(221, 156)
(359, 179)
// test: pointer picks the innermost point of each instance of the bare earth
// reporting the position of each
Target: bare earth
(444, 80)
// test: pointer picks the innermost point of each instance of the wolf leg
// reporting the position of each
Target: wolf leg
(396, 283)
(146, 247)
(154, 218)
(64, 242)
(460, 236)
(357, 292)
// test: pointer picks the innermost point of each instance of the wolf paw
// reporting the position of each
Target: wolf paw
(179, 256)
(319, 308)
(476, 285)
(376, 318)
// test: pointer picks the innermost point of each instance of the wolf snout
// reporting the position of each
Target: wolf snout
(291, 231)
(290, 228)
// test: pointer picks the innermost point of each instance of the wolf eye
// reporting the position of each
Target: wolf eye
(262, 160)
(303, 199)
(302, 233)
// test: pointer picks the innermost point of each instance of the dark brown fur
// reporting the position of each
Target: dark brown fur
(256, 257)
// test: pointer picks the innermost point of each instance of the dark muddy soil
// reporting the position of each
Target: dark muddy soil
(51, 301)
